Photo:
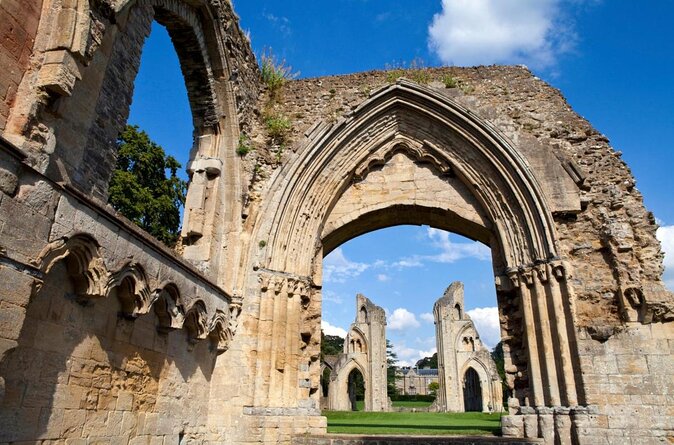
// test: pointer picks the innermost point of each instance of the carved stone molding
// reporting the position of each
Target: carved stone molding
(132, 290)
(91, 279)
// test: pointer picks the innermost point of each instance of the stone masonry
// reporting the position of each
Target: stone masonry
(365, 352)
(460, 355)
(106, 336)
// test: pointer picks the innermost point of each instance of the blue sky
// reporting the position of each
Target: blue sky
(613, 61)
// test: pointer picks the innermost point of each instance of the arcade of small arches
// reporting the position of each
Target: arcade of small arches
(577, 268)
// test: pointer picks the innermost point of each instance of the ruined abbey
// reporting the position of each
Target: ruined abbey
(109, 337)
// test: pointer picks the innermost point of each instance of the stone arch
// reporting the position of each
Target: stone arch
(85, 267)
(168, 308)
(463, 176)
(362, 315)
(73, 105)
(488, 398)
(220, 333)
(133, 290)
(467, 335)
(356, 341)
(338, 399)
(96, 84)
(472, 390)
(458, 313)
(452, 141)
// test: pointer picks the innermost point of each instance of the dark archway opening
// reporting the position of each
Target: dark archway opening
(325, 381)
(472, 391)
(356, 390)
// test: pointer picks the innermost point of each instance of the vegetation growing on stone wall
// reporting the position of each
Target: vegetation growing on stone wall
(278, 127)
(140, 188)
(275, 73)
(450, 81)
(244, 146)
(416, 71)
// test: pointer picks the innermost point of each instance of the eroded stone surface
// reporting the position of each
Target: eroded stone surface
(90, 308)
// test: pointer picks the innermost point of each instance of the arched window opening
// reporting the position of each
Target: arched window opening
(149, 182)
(362, 315)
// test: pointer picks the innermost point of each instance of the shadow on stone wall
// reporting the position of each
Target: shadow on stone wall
(85, 371)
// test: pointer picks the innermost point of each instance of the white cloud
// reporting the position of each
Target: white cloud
(383, 277)
(402, 319)
(449, 251)
(279, 22)
(427, 316)
(666, 236)
(409, 356)
(486, 322)
(329, 329)
(337, 268)
(483, 32)
(414, 261)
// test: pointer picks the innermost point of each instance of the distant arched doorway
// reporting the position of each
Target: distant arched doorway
(472, 391)
(356, 388)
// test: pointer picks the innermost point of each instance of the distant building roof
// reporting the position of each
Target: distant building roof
(425, 371)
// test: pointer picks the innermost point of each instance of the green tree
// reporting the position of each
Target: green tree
(433, 388)
(140, 188)
(331, 344)
(428, 362)
(391, 360)
(499, 359)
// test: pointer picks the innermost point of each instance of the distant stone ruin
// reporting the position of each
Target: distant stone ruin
(467, 374)
(107, 336)
(364, 352)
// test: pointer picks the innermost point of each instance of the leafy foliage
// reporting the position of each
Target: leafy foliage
(244, 146)
(391, 360)
(331, 344)
(433, 388)
(428, 362)
(140, 188)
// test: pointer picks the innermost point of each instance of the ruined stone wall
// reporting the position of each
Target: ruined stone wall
(460, 348)
(18, 27)
(74, 99)
(612, 260)
(104, 333)
(62, 123)
(81, 373)
(611, 231)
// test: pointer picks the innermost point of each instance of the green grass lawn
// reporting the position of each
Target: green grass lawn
(350, 422)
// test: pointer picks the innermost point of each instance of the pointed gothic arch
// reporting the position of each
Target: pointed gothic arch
(466, 178)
